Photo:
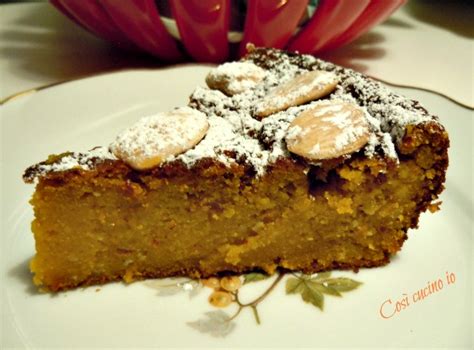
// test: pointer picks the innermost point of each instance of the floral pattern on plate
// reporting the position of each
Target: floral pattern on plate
(227, 291)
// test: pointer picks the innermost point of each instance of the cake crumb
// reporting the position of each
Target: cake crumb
(434, 207)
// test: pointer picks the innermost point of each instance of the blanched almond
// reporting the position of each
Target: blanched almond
(235, 77)
(303, 88)
(328, 130)
(152, 140)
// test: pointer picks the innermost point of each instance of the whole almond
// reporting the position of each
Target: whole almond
(302, 88)
(153, 140)
(235, 77)
(330, 129)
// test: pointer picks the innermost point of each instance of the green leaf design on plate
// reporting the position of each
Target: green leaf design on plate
(343, 284)
(313, 288)
(294, 285)
(321, 276)
(325, 289)
(312, 295)
(308, 292)
(254, 277)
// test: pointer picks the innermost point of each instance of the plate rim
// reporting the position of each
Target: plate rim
(30, 91)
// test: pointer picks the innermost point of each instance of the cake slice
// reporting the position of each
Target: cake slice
(283, 161)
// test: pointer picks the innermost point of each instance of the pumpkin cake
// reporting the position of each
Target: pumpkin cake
(283, 161)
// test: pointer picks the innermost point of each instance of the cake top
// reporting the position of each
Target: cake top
(272, 104)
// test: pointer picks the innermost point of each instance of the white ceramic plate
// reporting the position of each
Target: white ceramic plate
(89, 112)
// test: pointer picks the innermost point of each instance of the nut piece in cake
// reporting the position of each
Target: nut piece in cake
(154, 139)
(235, 77)
(303, 88)
(330, 129)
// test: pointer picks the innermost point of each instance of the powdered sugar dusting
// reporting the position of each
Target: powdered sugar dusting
(294, 132)
(341, 119)
(329, 108)
(221, 132)
(388, 146)
(316, 149)
(349, 136)
(72, 160)
(236, 136)
(392, 112)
